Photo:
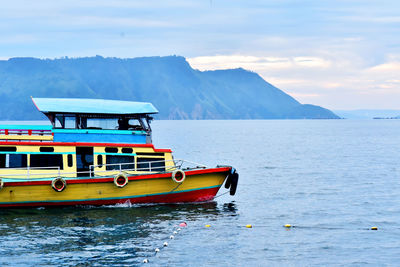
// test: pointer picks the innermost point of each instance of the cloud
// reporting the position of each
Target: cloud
(389, 67)
(314, 79)
(255, 63)
(332, 53)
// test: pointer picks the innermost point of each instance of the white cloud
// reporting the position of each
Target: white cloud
(255, 63)
(390, 67)
(311, 62)
(323, 80)
(333, 57)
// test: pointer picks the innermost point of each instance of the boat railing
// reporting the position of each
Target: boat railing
(27, 135)
(30, 169)
(148, 166)
(25, 132)
(121, 167)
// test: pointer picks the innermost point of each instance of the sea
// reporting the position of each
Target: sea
(329, 181)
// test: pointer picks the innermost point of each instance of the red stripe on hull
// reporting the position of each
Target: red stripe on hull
(191, 196)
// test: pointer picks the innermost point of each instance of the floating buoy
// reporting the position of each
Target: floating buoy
(165, 244)
(288, 226)
(249, 226)
(178, 229)
(207, 225)
(183, 224)
(175, 232)
(171, 237)
(157, 250)
(145, 261)
(374, 228)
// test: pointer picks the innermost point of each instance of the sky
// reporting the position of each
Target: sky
(342, 54)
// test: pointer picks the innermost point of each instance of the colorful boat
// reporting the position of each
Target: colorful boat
(98, 152)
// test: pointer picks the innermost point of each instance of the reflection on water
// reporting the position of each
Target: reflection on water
(100, 235)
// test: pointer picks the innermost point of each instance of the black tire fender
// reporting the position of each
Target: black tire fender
(228, 181)
(234, 183)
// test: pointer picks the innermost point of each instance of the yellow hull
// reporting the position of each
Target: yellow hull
(199, 185)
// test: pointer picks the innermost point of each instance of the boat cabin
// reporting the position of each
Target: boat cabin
(98, 120)
(86, 138)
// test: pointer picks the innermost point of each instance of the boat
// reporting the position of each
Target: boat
(98, 152)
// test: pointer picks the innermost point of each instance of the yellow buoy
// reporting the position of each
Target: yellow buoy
(207, 225)
(288, 225)
(374, 228)
(249, 226)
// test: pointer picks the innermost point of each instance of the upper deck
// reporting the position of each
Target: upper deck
(87, 120)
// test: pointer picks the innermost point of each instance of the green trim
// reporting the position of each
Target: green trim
(112, 198)
(115, 154)
(47, 153)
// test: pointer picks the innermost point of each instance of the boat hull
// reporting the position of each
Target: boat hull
(199, 185)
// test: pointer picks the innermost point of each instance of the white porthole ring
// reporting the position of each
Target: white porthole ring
(178, 176)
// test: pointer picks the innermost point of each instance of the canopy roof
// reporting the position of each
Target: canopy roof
(92, 106)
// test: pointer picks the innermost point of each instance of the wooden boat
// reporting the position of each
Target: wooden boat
(98, 152)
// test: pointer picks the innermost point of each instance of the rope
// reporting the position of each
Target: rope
(175, 187)
(221, 194)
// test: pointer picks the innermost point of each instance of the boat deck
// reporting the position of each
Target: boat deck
(26, 133)
(40, 133)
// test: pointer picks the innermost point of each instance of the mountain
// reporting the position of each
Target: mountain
(368, 113)
(177, 90)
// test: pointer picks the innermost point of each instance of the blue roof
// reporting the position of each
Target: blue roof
(92, 106)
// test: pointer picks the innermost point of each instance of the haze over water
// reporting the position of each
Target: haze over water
(331, 179)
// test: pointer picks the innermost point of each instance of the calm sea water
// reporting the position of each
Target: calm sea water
(332, 180)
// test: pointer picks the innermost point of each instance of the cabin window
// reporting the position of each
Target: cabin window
(127, 150)
(130, 124)
(120, 162)
(2, 160)
(13, 161)
(17, 161)
(150, 164)
(8, 148)
(46, 160)
(70, 123)
(69, 159)
(111, 149)
(46, 149)
(93, 123)
(99, 160)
